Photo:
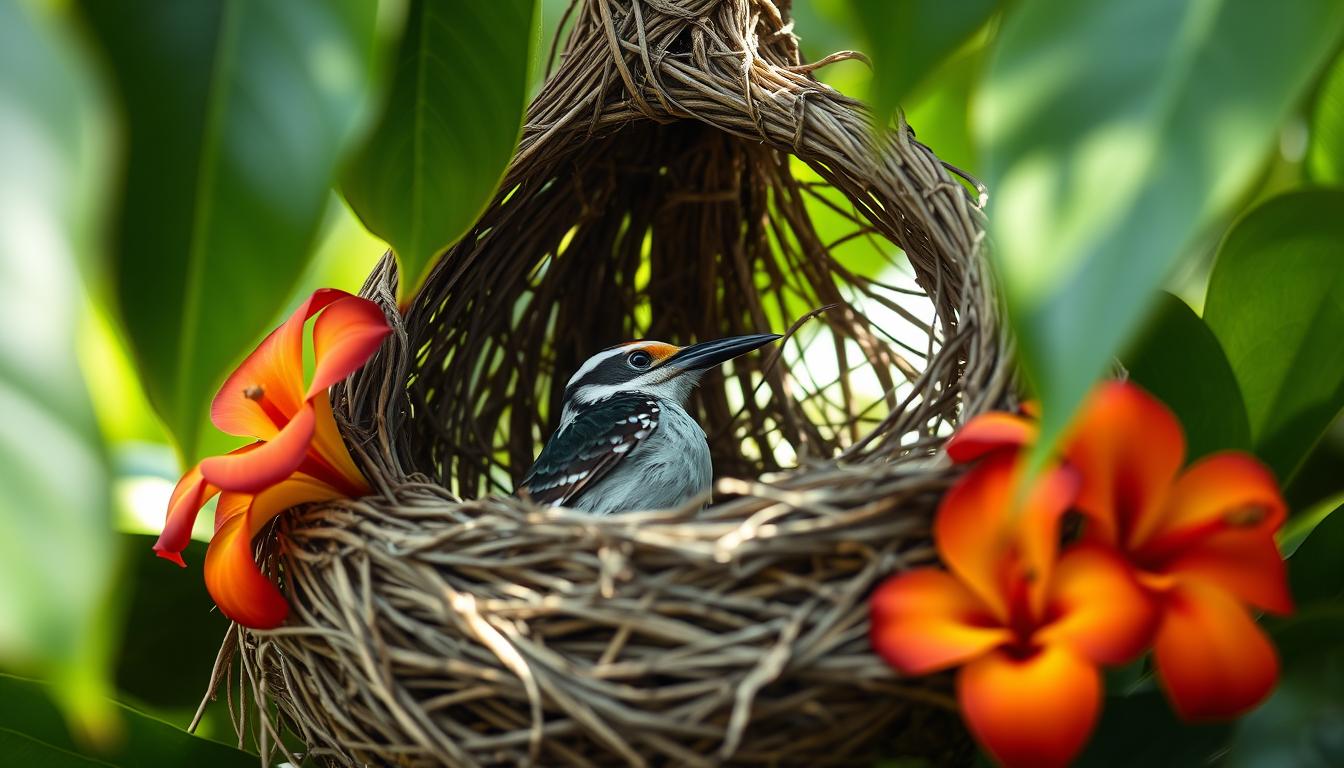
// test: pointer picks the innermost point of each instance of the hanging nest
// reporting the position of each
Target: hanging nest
(682, 176)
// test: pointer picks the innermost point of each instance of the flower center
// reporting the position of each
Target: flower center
(257, 394)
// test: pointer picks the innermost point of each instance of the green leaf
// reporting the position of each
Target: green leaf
(448, 130)
(1142, 730)
(32, 733)
(172, 628)
(1112, 133)
(1325, 155)
(1276, 303)
(57, 551)
(1316, 570)
(1301, 524)
(908, 39)
(1177, 358)
(1302, 724)
(236, 115)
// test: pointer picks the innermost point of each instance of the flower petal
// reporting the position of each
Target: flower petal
(925, 620)
(345, 336)
(1213, 659)
(997, 545)
(1104, 615)
(293, 491)
(231, 504)
(268, 463)
(990, 432)
(333, 459)
(1128, 448)
(235, 583)
(267, 388)
(190, 494)
(1246, 564)
(1226, 491)
(1035, 712)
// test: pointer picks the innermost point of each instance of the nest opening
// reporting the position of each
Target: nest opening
(681, 177)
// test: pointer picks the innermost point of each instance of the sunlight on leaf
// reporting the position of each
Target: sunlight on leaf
(1105, 157)
(57, 554)
(236, 116)
(453, 117)
(1276, 303)
(908, 39)
(1325, 158)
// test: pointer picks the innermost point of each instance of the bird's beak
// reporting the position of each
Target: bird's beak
(707, 354)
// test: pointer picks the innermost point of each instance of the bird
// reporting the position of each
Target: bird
(625, 441)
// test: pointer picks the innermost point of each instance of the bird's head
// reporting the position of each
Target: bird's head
(664, 370)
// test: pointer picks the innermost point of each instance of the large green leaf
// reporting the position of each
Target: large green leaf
(1178, 359)
(451, 122)
(57, 551)
(236, 116)
(908, 39)
(32, 734)
(1325, 159)
(1112, 132)
(1276, 303)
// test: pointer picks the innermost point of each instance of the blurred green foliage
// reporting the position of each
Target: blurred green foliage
(1177, 358)
(236, 115)
(1119, 139)
(1276, 303)
(57, 553)
(1113, 133)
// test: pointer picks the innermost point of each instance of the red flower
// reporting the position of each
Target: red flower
(1201, 540)
(298, 457)
(1029, 626)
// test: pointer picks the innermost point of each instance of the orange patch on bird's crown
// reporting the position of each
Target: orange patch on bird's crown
(659, 350)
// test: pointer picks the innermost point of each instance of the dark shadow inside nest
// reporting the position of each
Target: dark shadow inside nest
(678, 232)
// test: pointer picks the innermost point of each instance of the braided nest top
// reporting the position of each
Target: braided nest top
(682, 176)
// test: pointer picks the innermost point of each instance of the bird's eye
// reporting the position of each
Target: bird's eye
(640, 359)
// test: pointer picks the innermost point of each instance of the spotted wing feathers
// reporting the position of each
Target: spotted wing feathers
(590, 446)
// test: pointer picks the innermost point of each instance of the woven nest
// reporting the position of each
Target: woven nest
(681, 177)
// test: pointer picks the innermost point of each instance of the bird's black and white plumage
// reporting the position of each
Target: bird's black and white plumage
(625, 440)
(594, 442)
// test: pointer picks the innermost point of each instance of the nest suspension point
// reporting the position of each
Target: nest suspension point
(682, 176)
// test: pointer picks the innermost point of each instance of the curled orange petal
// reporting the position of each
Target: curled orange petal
(190, 494)
(1212, 658)
(328, 449)
(1035, 711)
(1102, 612)
(925, 620)
(990, 432)
(269, 462)
(1000, 538)
(345, 336)
(267, 388)
(1127, 447)
(235, 583)
(292, 491)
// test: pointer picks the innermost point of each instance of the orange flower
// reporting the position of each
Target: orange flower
(1201, 540)
(1029, 626)
(298, 457)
